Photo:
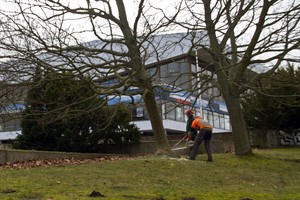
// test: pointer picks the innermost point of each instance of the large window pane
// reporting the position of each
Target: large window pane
(179, 114)
(184, 67)
(174, 68)
(153, 73)
(171, 112)
(163, 71)
(184, 82)
(204, 113)
(216, 120)
(193, 68)
(210, 118)
(227, 123)
(222, 121)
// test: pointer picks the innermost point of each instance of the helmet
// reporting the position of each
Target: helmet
(189, 112)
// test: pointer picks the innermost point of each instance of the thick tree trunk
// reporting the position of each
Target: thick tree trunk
(143, 81)
(239, 131)
(156, 122)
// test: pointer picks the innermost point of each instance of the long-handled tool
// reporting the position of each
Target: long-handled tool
(179, 142)
(176, 152)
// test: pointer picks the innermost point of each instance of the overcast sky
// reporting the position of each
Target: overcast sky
(131, 6)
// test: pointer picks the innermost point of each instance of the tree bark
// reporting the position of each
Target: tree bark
(228, 86)
(239, 131)
(143, 81)
(156, 123)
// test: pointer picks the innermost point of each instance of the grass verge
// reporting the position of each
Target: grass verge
(268, 174)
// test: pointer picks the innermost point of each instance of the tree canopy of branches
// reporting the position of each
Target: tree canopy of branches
(243, 36)
(63, 114)
(276, 107)
(43, 33)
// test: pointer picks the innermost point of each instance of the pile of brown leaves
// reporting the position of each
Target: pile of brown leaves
(62, 162)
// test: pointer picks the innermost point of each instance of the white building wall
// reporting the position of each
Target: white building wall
(172, 125)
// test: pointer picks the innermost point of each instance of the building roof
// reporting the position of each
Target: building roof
(156, 48)
(9, 135)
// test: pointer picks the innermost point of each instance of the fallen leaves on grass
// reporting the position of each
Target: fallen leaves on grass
(62, 162)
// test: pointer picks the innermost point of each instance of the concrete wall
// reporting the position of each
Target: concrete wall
(221, 142)
(13, 156)
(5, 146)
(264, 138)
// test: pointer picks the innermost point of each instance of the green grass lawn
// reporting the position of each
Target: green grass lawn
(269, 174)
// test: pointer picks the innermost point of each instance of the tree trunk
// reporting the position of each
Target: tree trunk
(239, 131)
(156, 123)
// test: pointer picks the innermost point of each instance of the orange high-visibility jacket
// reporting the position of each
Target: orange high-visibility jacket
(200, 123)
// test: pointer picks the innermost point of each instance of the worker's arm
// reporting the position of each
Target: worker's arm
(193, 130)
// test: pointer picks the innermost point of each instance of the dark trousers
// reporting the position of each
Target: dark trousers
(203, 135)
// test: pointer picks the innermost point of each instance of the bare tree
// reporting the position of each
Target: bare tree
(243, 36)
(42, 33)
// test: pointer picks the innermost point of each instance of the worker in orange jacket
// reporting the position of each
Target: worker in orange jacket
(204, 134)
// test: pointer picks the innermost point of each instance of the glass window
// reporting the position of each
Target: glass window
(222, 121)
(163, 71)
(173, 79)
(170, 111)
(210, 90)
(210, 118)
(207, 72)
(184, 82)
(215, 76)
(174, 67)
(163, 111)
(197, 112)
(215, 92)
(227, 122)
(171, 114)
(216, 120)
(204, 113)
(179, 114)
(110, 83)
(153, 73)
(193, 68)
(139, 112)
(184, 67)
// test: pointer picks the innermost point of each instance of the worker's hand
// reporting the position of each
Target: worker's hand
(189, 136)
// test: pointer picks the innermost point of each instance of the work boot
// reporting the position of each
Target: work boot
(191, 158)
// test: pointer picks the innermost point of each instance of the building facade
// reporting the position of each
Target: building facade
(176, 90)
(183, 79)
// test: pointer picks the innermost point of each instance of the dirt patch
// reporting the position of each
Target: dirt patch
(8, 191)
(96, 194)
(292, 160)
